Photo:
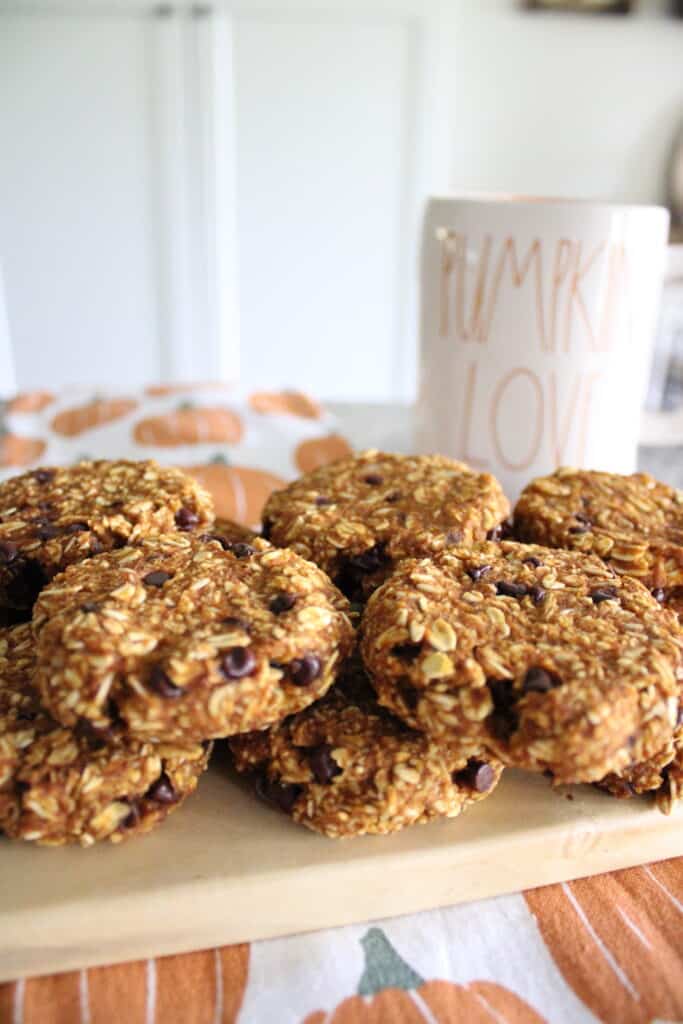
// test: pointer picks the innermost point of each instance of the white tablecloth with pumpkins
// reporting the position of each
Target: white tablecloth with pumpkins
(606, 949)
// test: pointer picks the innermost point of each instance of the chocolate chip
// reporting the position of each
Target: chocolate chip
(321, 501)
(408, 694)
(454, 537)
(506, 589)
(237, 662)
(302, 671)
(8, 552)
(134, 815)
(603, 594)
(156, 578)
(241, 550)
(77, 528)
(161, 683)
(162, 790)
(503, 720)
(406, 652)
(534, 562)
(186, 519)
(579, 529)
(207, 537)
(96, 545)
(659, 594)
(44, 476)
(478, 775)
(95, 737)
(282, 602)
(283, 794)
(475, 572)
(323, 765)
(539, 680)
(393, 497)
(47, 532)
(584, 520)
(536, 594)
(374, 479)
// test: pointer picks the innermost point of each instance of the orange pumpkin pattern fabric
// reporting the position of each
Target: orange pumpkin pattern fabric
(239, 492)
(190, 425)
(96, 413)
(19, 451)
(195, 988)
(286, 403)
(389, 990)
(618, 940)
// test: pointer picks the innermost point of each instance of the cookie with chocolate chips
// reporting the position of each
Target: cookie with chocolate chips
(60, 785)
(660, 776)
(184, 639)
(51, 518)
(634, 523)
(357, 517)
(548, 657)
(346, 767)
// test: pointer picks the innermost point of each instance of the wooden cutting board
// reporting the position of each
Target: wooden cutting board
(227, 868)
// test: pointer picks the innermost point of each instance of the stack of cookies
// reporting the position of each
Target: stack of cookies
(374, 658)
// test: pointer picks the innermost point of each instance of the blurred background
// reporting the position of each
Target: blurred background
(197, 191)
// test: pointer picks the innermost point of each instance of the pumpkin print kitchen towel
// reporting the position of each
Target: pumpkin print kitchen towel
(239, 445)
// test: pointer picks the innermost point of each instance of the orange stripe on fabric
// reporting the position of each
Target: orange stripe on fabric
(118, 993)
(6, 1002)
(186, 989)
(235, 966)
(53, 1000)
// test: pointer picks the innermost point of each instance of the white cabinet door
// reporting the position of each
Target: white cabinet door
(77, 210)
(169, 173)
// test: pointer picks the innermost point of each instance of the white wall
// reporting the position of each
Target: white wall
(340, 111)
(562, 104)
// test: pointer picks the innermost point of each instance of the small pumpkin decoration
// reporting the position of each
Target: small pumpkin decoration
(617, 940)
(190, 425)
(96, 413)
(19, 451)
(30, 401)
(309, 455)
(391, 991)
(288, 403)
(239, 492)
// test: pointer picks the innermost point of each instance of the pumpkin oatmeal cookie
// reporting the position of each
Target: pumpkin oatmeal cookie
(346, 767)
(61, 786)
(357, 517)
(548, 657)
(634, 523)
(184, 639)
(51, 518)
(660, 775)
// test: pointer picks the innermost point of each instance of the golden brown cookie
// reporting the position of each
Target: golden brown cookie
(51, 518)
(632, 522)
(62, 786)
(346, 767)
(660, 775)
(357, 517)
(547, 656)
(183, 639)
